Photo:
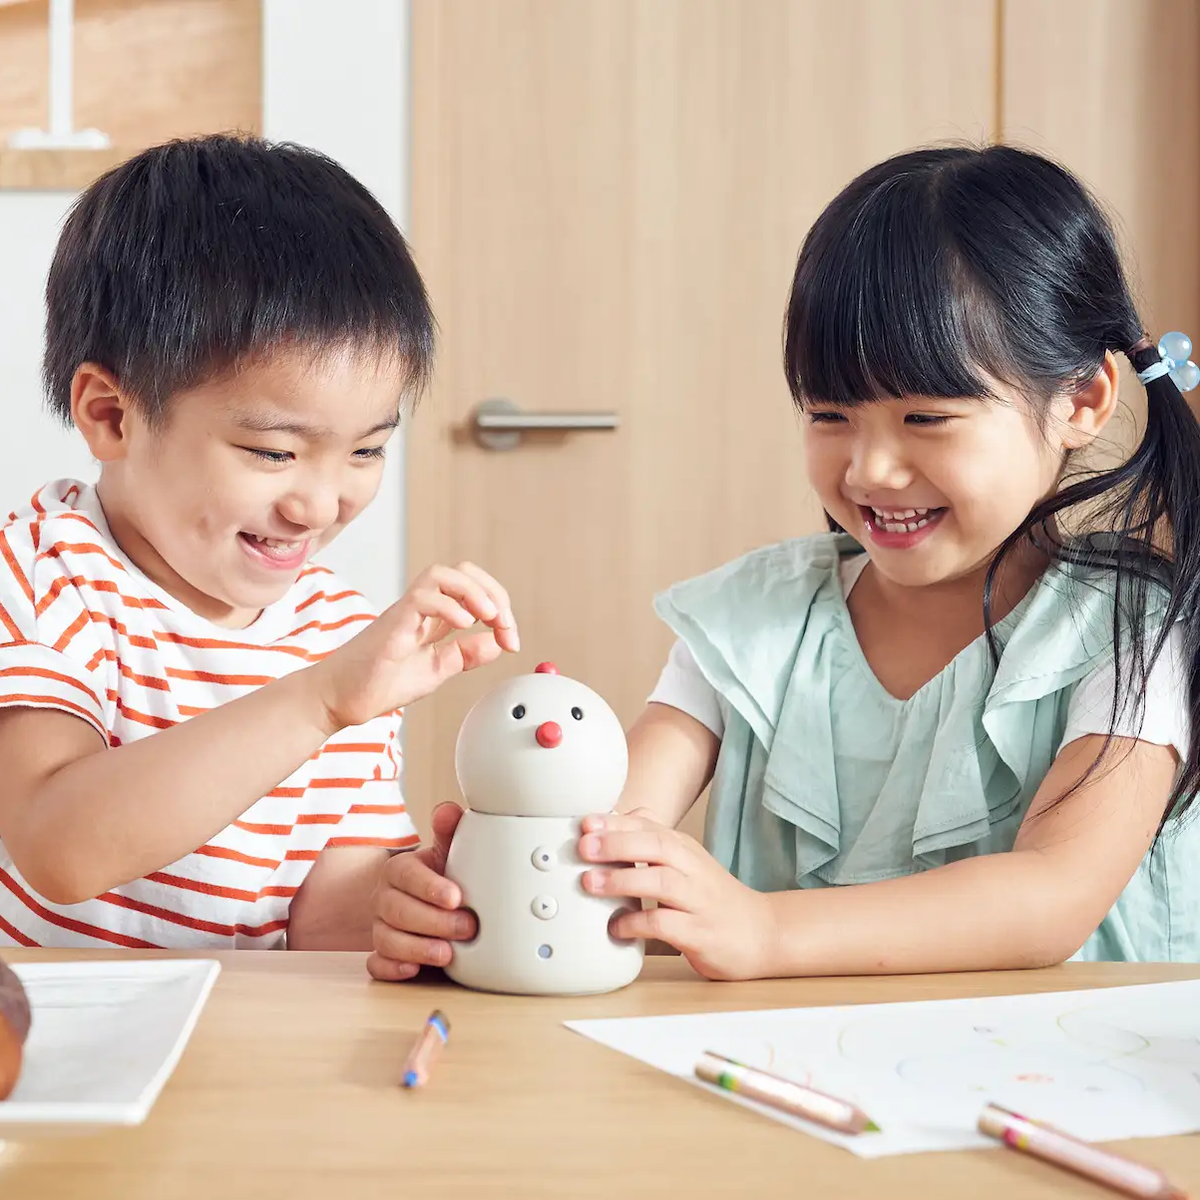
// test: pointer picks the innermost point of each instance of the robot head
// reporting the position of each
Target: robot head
(541, 745)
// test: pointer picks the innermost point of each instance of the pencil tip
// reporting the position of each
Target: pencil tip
(410, 1079)
(871, 1127)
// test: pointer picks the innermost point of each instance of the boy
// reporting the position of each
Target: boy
(198, 726)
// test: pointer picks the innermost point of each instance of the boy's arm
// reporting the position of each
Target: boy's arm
(335, 906)
(80, 818)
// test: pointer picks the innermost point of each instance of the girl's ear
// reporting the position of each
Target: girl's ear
(1091, 408)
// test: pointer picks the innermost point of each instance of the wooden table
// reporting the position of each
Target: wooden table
(288, 1088)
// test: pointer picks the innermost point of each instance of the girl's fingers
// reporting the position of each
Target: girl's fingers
(636, 820)
(654, 844)
(663, 884)
(662, 924)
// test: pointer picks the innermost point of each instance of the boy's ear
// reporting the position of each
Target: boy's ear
(100, 409)
(1092, 407)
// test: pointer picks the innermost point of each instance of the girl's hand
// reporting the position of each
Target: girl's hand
(722, 927)
(406, 652)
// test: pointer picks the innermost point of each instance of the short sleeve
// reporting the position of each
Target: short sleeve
(45, 633)
(378, 817)
(377, 814)
(682, 685)
(1165, 719)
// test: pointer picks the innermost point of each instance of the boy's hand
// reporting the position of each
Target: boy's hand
(406, 653)
(722, 927)
(417, 911)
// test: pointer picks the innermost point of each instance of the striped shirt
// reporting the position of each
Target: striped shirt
(82, 630)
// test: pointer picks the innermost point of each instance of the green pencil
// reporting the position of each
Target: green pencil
(784, 1094)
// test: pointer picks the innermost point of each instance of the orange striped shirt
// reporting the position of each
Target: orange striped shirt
(82, 630)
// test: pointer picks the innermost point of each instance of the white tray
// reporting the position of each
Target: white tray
(104, 1040)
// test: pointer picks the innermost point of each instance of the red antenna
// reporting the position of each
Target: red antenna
(546, 668)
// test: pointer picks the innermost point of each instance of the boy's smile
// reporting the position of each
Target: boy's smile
(224, 501)
(276, 554)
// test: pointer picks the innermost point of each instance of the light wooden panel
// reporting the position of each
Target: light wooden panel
(145, 71)
(608, 198)
(1110, 88)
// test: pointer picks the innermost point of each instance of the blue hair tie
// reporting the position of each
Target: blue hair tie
(1175, 350)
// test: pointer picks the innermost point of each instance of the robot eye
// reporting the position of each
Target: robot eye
(577, 713)
(519, 711)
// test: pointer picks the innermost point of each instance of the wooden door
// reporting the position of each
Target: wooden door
(608, 198)
(1104, 86)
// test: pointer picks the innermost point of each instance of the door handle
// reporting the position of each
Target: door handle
(499, 424)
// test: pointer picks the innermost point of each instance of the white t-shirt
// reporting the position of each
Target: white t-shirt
(83, 631)
(1165, 720)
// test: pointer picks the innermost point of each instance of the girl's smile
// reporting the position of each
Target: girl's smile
(900, 528)
(946, 478)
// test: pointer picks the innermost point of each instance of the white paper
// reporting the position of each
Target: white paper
(104, 1040)
(1102, 1064)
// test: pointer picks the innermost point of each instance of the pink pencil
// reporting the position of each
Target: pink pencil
(1053, 1146)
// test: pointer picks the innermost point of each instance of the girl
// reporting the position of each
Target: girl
(969, 705)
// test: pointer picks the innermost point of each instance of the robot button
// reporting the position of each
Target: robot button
(543, 858)
(544, 907)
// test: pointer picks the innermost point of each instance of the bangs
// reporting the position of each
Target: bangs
(884, 306)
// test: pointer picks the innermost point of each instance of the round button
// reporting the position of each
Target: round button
(543, 858)
(544, 907)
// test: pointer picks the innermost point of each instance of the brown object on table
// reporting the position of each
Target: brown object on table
(14, 1028)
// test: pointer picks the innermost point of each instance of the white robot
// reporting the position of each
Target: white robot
(535, 755)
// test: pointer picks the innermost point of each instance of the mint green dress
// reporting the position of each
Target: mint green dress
(823, 778)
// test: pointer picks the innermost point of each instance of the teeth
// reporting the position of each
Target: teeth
(899, 514)
(903, 520)
(274, 543)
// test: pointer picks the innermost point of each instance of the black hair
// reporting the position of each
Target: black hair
(200, 254)
(939, 270)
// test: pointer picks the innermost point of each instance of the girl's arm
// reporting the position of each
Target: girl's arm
(1032, 907)
(671, 760)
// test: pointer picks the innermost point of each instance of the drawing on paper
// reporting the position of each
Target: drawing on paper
(1105, 1064)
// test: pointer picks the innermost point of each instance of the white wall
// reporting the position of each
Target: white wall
(33, 448)
(335, 77)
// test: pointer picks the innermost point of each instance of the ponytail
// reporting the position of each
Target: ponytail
(1149, 508)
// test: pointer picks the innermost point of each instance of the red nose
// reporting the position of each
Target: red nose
(549, 734)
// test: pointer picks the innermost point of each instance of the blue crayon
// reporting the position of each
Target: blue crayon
(434, 1035)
